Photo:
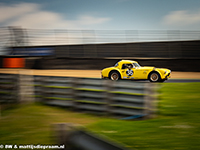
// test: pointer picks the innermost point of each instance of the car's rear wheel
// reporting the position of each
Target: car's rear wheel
(114, 75)
(154, 77)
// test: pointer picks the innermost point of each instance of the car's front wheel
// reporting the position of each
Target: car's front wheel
(154, 77)
(114, 75)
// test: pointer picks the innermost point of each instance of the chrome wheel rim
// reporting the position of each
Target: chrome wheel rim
(114, 76)
(154, 77)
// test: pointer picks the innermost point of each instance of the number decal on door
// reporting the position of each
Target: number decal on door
(129, 72)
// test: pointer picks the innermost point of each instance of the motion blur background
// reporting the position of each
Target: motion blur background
(65, 34)
(89, 35)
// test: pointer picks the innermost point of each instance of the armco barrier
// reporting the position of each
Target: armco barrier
(16, 88)
(115, 98)
(90, 95)
(54, 90)
(25, 86)
(8, 88)
(128, 98)
(75, 138)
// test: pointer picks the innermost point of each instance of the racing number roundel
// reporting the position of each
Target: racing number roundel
(129, 72)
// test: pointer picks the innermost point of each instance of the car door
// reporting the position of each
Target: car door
(128, 71)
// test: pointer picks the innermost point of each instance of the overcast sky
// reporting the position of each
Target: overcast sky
(101, 14)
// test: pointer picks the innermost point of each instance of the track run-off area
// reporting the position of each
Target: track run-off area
(175, 76)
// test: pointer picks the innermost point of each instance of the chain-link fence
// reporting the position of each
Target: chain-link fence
(102, 43)
(16, 36)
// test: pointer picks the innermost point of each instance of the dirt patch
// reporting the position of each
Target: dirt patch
(88, 73)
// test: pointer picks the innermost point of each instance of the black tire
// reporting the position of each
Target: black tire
(114, 75)
(162, 80)
(154, 77)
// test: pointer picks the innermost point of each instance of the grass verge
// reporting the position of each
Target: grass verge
(177, 125)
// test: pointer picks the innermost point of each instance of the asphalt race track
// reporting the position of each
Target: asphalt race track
(182, 80)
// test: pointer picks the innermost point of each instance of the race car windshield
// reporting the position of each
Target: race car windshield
(136, 64)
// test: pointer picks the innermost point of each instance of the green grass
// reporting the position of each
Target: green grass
(33, 123)
(177, 125)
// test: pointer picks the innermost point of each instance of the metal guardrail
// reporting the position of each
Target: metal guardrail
(121, 98)
(100, 43)
(76, 138)
(8, 88)
(115, 98)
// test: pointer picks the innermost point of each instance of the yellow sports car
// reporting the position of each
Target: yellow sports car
(128, 69)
